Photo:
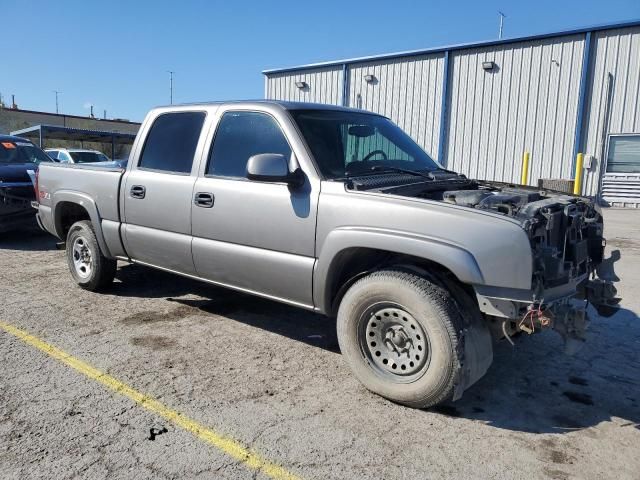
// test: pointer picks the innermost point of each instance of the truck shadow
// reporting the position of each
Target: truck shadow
(535, 387)
(291, 322)
(27, 240)
(532, 387)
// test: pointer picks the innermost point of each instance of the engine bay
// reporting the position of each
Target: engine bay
(565, 231)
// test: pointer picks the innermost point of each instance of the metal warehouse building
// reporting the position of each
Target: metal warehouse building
(479, 107)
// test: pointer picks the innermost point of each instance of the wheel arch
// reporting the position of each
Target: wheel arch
(348, 255)
(70, 207)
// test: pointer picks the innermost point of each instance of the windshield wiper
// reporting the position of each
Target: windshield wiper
(384, 168)
(440, 169)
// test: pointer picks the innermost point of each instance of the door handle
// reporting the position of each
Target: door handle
(203, 199)
(138, 191)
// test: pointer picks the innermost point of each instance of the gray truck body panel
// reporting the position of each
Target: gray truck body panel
(269, 239)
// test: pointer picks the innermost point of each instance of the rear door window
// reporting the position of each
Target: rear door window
(171, 142)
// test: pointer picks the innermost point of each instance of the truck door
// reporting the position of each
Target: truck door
(251, 235)
(158, 189)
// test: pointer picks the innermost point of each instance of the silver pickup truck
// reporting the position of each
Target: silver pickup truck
(338, 211)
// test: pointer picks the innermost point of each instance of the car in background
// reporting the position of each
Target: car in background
(19, 160)
(115, 163)
(76, 155)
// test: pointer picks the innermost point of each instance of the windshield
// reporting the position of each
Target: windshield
(351, 143)
(21, 152)
(88, 157)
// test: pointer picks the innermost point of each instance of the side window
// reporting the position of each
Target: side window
(241, 135)
(171, 142)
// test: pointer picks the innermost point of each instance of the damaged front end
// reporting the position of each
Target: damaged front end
(569, 268)
(565, 233)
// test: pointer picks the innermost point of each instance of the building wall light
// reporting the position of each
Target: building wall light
(301, 85)
(488, 66)
(370, 78)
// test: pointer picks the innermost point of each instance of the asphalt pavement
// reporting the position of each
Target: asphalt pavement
(165, 377)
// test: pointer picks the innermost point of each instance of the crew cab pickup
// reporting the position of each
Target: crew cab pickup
(338, 211)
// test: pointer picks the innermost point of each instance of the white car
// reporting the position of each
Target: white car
(76, 155)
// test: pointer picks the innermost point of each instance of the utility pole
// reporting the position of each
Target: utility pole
(57, 92)
(502, 17)
(170, 86)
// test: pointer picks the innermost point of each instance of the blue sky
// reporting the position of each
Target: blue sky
(115, 55)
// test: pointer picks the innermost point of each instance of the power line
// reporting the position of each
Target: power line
(171, 86)
(57, 92)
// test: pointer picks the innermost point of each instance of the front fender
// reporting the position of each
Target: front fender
(88, 204)
(454, 257)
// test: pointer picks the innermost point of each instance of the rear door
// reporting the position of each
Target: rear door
(255, 236)
(158, 188)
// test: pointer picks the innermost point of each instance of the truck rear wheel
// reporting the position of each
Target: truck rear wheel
(89, 267)
(402, 335)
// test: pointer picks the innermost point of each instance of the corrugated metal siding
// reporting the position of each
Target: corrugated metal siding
(621, 189)
(324, 86)
(407, 90)
(616, 52)
(528, 103)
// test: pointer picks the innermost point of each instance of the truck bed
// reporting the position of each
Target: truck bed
(99, 183)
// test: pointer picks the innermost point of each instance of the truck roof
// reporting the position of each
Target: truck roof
(13, 138)
(286, 105)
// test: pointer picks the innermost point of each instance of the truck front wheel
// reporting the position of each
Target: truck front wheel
(89, 267)
(402, 335)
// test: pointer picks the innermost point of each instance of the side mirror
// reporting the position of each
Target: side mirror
(273, 167)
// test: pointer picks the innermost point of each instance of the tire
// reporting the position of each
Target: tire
(393, 317)
(89, 267)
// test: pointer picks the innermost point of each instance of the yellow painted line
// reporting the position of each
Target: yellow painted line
(225, 444)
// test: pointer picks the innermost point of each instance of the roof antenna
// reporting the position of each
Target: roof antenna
(502, 17)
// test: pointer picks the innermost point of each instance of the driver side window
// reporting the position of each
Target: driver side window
(241, 135)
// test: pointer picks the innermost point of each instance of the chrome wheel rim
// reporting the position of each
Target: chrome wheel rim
(394, 343)
(82, 258)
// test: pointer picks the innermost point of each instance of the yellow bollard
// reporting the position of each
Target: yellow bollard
(577, 184)
(524, 179)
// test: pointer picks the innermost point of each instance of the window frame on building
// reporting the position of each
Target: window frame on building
(611, 141)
